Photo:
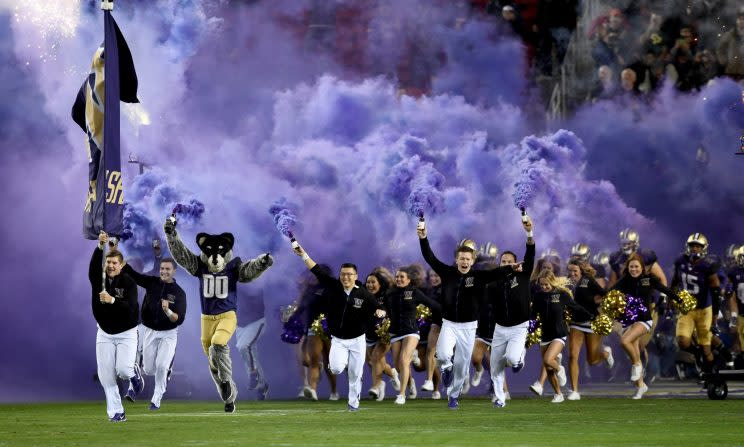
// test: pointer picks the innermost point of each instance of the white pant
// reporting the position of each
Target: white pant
(349, 352)
(158, 349)
(507, 347)
(246, 340)
(140, 341)
(454, 349)
(115, 355)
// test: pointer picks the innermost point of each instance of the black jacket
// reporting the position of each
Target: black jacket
(156, 290)
(550, 306)
(348, 316)
(461, 294)
(510, 298)
(584, 292)
(642, 287)
(400, 305)
(123, 314)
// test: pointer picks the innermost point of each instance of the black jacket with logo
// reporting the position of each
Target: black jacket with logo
(123, 314)
(400, 305)
(461, 294)
(550, 306)
(510, 298)
(642, 287)
(584, 292)
(348, 316)
(155, 290)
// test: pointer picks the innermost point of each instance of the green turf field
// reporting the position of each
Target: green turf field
(598, 421)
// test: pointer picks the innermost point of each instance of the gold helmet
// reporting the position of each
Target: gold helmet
(580, 251)
(601, 258)
(696, 239)
(490, 250)
(739, 256)
(629, 241)
(731, 253)
(468, 243)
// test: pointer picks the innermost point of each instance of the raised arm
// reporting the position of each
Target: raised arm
(252, 269)
(431, 259)
(141, 280)
(181, 254)
(95, 269)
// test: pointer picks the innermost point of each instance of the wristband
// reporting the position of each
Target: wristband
(530, 234)
(112, 300)
(169, 313)
(305, 257)
(734, 315)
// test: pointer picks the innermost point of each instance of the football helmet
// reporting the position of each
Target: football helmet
(629, 241)
(580, 251)
(696, 239)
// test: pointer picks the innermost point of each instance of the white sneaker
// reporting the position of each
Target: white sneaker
(301, 394)
(573, 395)
(507, 396)
(561, 375)
(373, 392)
(415, 360)
(436, 395)
(640, 392)
(477, 377)
(465, 387)
(395, 380)
(536, 388)
(381, 391)
(558, 398)
(427, 386)
(333, 396)
(309, 393)
(412, 391)
(610, 360)
(400, 399)
(636, 371)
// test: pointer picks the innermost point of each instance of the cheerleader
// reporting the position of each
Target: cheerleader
(636, 282)
(377, 284)
(550, 304)
(587, 293)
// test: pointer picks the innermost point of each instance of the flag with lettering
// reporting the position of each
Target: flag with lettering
(112, 79)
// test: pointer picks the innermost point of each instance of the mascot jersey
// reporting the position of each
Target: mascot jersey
(218, 290)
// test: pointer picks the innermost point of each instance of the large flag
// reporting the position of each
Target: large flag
(96, 110)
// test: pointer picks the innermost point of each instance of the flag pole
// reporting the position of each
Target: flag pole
(106, 5)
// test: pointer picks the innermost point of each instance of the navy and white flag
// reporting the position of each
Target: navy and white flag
(112, 79)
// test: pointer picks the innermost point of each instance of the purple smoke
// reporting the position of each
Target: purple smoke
(284, 218)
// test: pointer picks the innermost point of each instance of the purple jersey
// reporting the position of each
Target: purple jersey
(218, 290)
(736, 284)
(693, 277)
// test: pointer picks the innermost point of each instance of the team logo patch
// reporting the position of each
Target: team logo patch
(584, 283)
(358, 303)
(119, 293)
(408, 295)
(646, 282)
(469, 281)
(170, 298)
(555, 298)
(514, 282)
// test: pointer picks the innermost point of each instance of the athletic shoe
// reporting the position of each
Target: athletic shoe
(400, 399)
(137, 381)
(636, 371)
(154, 407)
(412, 392)
(119, 417)
(498, 404)
(427, 386)
(640, 392)
(225, 390)
(262, 392)
(447, 377)
(373, 392)
(310, 393)
(395, 380)
(518, 367)
(573, 395)
(561, 375)
(465, 387)
(610, 360)
(452, 404)
(301, 394)
(381, 391)
(436, 395)
(477, 377)
(130, 396)
(536, 388)
(333, 396)
(352, 409)
(230, 407)
(507, 396)
(415, 360)
(558, 398)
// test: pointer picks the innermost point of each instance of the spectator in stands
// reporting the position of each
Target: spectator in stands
(556, 22)
(628, 80)
(730, 50)
(607, 51)
(606, 86)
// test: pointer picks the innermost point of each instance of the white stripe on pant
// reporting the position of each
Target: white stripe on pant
(454, 349)
(246, 339)
(115, 355)
(158, 349)
(507, 347)
(349, 352)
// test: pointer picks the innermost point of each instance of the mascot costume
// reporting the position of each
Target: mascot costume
(219, 274)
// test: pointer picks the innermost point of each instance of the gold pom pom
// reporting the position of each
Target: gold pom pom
(423, 312)
(533, 338)
(318, 329)
(602, 325)
(685, 302)
(382, 330)
(613, 304)
(567, 316)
